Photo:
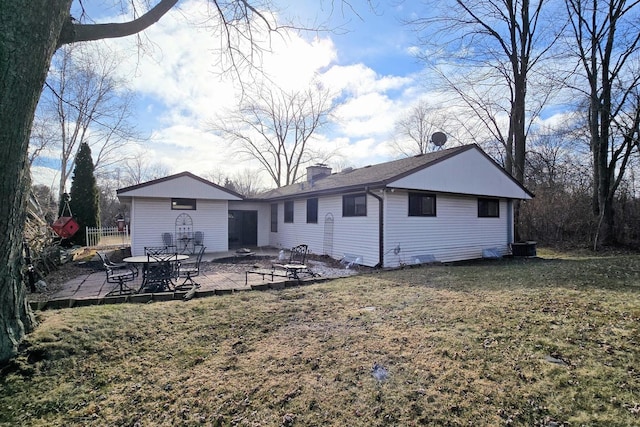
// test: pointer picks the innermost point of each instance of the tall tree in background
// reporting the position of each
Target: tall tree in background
(606, 43)
(487, 51)
(88, 104)
(138, 169)
(276, 128)
(415, 128)
(85, 197)
(32, 31)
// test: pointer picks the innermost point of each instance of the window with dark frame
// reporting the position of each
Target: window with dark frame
(274, 217)
(488, 208)
(183, 204)
(288, 211)
(312, 211)
(422, 204)
(354, 205)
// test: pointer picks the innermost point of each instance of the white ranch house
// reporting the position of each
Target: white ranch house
(449, 205)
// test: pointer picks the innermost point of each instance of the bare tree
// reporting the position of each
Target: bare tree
(276, 128)
(248, 182)
(415, 129)
(89, 104)
(560, 178)
(32, 31)
(42, 140)
(138, 169)
(606, 43)
(487, 52)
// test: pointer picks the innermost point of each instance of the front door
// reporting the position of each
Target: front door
(243, 229)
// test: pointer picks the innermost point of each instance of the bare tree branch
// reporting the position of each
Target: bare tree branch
(276, 128)
(75, 32)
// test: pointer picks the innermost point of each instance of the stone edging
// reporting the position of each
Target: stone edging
(162, 296)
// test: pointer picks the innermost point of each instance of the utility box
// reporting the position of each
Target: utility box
(526, 249)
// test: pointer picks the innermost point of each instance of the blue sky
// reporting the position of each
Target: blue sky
(368, 61)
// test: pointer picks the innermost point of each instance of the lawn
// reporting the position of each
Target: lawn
(531, 342)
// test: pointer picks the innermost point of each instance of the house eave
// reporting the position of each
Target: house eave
(322, 192)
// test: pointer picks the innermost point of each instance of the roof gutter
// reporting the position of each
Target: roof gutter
(380, 227)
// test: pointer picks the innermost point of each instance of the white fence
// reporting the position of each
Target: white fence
(106, 237)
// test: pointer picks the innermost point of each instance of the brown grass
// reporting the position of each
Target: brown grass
(529, 342)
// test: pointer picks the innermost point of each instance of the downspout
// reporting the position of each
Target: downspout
(380, 227)
(510, 225)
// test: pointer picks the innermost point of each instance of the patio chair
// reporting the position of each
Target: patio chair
(296, 264)
(198, 239)
(104, 257)
(290, 269)
(297, 256)
(106, 261)
(119, 277)
(160, 271)
(167, 240)
(155, 250)
(189, 270)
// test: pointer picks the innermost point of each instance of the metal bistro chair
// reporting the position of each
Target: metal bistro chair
(155, 250)
(189, 270)
(296, 265)
(160, 271)
(115, 265)
(198, 239)
(119, 277)
(167, 240)
(153, 271)
(106, 261)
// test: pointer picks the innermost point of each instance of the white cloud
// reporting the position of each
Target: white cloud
(358, 79)
(370, 114)
(45, 176)
(178, 76)
(296, 62)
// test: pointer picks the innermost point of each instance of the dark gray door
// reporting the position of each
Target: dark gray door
(243, 229)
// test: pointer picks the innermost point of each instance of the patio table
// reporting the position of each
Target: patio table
(157, 283)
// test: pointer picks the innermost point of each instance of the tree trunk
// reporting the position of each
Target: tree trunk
(30, 32)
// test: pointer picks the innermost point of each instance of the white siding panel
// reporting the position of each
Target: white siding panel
(351, 235)
(298, 232)
(456, 233)
(151, 217)
(183, 187)
(469, 172)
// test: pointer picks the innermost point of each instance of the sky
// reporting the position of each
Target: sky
(367, 59)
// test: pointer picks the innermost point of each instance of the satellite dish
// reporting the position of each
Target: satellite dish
(438, 139)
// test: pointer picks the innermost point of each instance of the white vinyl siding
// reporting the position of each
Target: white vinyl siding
(154, 217)
(469, 172)
(351, 235)
(184, 187)
(456, 233)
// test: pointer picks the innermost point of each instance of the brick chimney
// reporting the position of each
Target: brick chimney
(317, 171)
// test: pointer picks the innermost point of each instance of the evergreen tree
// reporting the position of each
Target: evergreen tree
(85, 197)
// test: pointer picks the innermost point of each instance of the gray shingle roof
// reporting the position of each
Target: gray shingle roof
(368, 176)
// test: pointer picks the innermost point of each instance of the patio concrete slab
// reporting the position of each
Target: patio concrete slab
(92, 288)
